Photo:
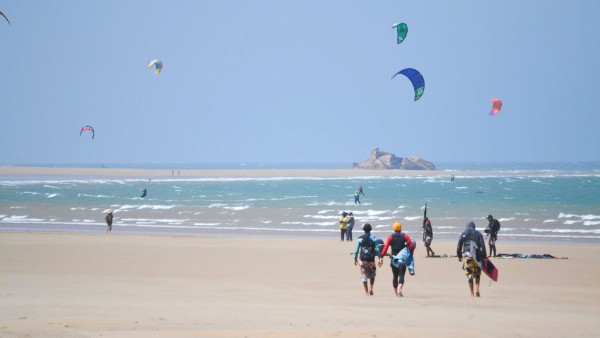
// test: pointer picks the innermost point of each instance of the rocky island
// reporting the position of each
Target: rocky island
(384, 160)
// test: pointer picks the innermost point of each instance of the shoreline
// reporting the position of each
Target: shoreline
(211, 173)
(248, 234)
(30, 172)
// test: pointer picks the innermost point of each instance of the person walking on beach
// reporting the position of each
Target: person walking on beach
(492, 231)
(349, 226)
(356, 197)
(397, 241)
(343, 225)
(109, 220)
(367, 248)
(471, 251)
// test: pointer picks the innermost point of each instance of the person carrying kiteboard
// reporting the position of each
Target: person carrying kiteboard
(397, 241)
(471, 251)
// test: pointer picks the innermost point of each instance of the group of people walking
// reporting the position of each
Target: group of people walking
(470, 251)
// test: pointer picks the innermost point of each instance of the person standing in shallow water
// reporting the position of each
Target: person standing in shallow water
(109, 220)
(471, 251)
(349, 226)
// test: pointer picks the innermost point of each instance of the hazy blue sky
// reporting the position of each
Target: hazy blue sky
(298, 81)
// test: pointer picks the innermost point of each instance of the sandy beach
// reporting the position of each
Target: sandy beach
(199, 173)
(115, 285)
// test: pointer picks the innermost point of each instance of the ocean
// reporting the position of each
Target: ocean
(533, 202)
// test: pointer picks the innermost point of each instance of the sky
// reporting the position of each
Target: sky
(298, 81)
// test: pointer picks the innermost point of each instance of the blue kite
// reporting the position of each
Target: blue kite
(416, 79)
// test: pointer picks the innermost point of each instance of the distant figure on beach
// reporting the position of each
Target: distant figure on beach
(397, 241)
(367, 248)
(109, 220)
(492, 231)
(452, 178)
(144, 192)
(427, 233)
(349, 226)
(343, 225)
(471, 249)
(360, 189)
(356, 197)
(428, 236)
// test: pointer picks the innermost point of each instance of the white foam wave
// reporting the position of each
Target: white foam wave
(581, 231)
(582, 217)
(237, 208)
(147, 206)
(307, 223)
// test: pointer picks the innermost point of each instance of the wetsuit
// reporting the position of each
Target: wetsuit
(397, 241)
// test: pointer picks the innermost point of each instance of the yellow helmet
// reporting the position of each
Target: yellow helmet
(397, 226)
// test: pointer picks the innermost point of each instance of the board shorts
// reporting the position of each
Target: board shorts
(493, 240)
(428, 240)
(368, 270)
(472, 269)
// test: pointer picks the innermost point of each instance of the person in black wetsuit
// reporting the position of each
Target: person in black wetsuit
(397, 241)
(492, 231)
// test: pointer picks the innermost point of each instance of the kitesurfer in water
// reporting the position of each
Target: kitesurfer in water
(471, 249)
(144, 192)
(360, 189)
(356, 197)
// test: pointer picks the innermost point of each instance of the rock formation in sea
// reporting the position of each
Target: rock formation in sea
(384, 160)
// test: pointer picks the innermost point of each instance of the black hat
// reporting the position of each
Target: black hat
(490, 217)
(367, 227)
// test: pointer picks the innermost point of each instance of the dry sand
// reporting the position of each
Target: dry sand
(114, 285)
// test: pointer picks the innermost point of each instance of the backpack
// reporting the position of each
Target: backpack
(367, 249)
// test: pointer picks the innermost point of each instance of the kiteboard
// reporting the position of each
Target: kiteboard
(490, 269)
